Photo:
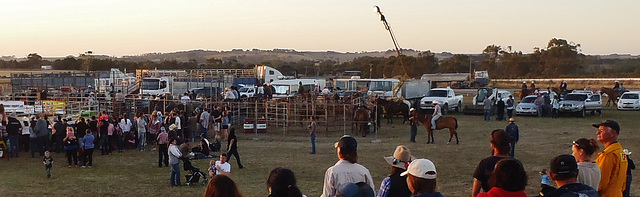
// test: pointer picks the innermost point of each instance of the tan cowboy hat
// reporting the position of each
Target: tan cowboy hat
(512, 120)
(400, 157)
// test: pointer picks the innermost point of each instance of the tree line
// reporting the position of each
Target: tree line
(559, 58)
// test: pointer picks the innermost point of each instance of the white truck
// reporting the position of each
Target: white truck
(177, 82)
(445, 97)
(289, 88)
(247, 91)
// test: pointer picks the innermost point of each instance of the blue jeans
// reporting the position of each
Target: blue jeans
(204, 131)
(414, 132)
(175, 174)
(512, 153)
(142, 138)
(487, 115)
(313, 143)
(539, 111)
(14, 145)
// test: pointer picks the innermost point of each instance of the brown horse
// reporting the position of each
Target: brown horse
(526, 92)
(560, 92)
(361, 120)
(443, 122)
(392, 108)
(611, 94)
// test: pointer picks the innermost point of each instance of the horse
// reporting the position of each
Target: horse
(526, 92)
(394, 107)
(560, 92)
(612, 94)
(449, 122)
(361, 120)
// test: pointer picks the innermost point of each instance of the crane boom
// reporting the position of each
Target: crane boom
(404, 77)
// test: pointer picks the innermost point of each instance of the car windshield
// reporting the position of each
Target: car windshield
(150, 84)
(575, 97)
(244, 89)
(528, 99)
(281, 89)
(630, 96)
(438, 93)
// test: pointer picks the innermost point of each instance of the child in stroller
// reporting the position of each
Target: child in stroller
(195, 173)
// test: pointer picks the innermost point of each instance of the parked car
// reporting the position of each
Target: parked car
(526, 106)
(581, 103)
(629, 101)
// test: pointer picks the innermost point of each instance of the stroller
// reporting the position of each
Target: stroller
(195, 173)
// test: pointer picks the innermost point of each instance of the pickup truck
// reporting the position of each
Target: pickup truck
(446, 99)
(581, 103)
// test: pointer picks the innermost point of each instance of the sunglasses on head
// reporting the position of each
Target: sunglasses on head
(396, 161)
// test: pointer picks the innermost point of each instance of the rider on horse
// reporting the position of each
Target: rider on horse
(533, 85)
(524, 85)
(563, 86)
(437, 113)
(617, 86)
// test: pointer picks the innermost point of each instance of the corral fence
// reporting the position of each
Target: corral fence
(289, 115)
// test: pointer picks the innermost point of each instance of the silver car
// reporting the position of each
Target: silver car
(526, 106)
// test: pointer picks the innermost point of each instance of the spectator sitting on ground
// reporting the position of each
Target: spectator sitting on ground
(220, 167)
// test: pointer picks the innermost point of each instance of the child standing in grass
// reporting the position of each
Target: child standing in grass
(48, 162)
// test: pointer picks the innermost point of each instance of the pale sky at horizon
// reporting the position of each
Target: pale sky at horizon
(133, 27)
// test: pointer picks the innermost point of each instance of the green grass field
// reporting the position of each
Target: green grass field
(136, 173)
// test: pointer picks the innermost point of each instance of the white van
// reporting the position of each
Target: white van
(289, 88)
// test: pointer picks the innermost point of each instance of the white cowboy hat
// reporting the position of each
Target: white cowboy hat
(627, 152)
(401, 157)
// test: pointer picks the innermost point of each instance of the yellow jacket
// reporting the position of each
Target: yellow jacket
(613, 168)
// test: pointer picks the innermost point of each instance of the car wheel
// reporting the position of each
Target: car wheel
(445, 109)
(459, 108)
(583, 113)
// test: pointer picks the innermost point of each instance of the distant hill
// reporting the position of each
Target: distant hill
(256, 56)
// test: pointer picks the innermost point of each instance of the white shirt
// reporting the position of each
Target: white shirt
(184, 99)
(225, 167)
(125, 125)
(174, 154)
(178, 122)
(589, 174)
(344, 172)
(229, 95)
(260, 90)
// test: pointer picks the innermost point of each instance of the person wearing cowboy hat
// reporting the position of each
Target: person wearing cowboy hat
(394, 184)
(514, 133)
(437, 113)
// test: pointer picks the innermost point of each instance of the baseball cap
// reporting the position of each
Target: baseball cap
(609, 123)
(422, 168)
(360, 189)
(347, 143)
(564, 164)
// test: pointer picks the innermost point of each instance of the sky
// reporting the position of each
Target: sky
(132, 27)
